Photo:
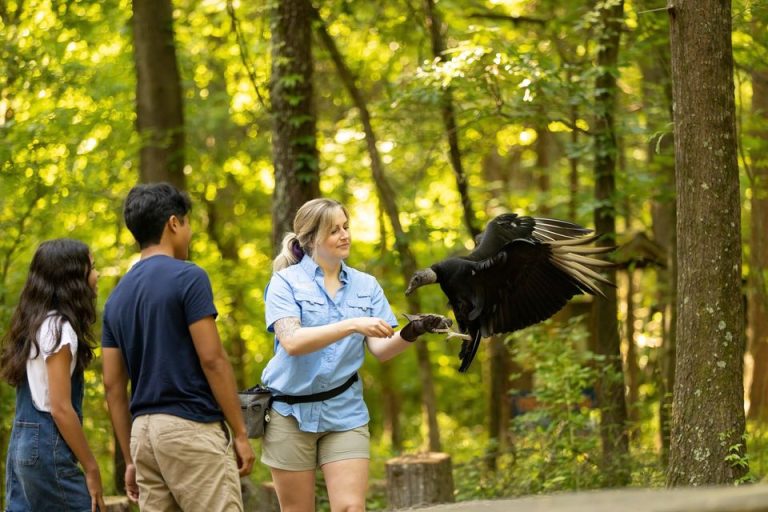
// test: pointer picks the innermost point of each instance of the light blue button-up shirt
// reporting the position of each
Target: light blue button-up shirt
(299, 291)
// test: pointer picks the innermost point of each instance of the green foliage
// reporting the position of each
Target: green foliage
(557, 445)
(69, 154)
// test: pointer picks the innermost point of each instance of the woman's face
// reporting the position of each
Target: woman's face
(93, 276)
(337, 244)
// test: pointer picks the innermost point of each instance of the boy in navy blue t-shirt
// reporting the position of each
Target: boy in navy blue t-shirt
(160, 333)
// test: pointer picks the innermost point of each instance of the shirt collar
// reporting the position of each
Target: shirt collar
(312, 268)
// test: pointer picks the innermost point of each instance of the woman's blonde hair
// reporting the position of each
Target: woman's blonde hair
(313, 222)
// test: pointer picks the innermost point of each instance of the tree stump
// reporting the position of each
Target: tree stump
(419, 480)
(269, 501)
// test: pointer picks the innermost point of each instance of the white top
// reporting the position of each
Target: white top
(37, 373)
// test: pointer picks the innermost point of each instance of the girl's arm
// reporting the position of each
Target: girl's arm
(298, 340)
(64, 415)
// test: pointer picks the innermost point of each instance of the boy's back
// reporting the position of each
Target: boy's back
(160, 336)
(147, 316)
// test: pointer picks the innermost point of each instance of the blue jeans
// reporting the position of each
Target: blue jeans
(41, 472)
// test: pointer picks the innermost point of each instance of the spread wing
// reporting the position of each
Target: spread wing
(520, 287)
(528, 282)
(508, 227)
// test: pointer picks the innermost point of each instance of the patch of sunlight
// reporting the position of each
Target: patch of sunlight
(210, 192)
(645, 340)
(267, 178)
(247, 251)
(346, 135)
(87, 145)
(527, 136)
(507, 136)
(364, 225)
(107, 50)
(362, 193)
(242, 101)
(385, 146)
(48, 174)
(423, 203)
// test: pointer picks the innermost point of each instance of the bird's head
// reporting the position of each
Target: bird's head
(420, 278)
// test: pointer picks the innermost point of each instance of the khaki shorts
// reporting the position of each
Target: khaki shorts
(286, 447)
(184, 465)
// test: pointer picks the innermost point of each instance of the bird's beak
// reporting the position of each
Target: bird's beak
(409, 290)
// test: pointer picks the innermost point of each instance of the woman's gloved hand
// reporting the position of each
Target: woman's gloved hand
(420, 324)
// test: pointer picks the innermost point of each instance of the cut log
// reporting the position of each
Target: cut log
(418, 480)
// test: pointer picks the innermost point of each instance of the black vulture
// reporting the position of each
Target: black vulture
(522, 271)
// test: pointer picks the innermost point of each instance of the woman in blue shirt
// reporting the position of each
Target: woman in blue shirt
(323, 314)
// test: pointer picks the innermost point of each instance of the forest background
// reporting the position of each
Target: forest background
(426, 119)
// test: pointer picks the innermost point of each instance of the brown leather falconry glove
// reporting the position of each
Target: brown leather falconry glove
(420, 324)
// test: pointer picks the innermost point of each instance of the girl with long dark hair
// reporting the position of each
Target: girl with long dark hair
(45, 352)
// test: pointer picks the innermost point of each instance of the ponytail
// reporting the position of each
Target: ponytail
(313, 222)
(290, 252)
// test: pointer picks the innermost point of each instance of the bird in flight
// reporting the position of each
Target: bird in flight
(522, 271)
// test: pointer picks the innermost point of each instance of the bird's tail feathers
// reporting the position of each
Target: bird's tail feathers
(570, 259)
(548, 230)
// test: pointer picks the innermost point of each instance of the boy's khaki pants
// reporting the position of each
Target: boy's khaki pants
(184, 465)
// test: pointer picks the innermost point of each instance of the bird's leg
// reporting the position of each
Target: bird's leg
(453, 334)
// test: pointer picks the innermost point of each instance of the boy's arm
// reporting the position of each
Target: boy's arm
(221, 378)
(116, 389)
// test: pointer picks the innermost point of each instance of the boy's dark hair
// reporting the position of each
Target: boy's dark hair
(148, 207)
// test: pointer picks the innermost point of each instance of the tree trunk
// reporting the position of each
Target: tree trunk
(387, 199)
(633, 369)
(159, 110)
(613, 408)
(573, 163)
(708, 408)
(657, 101)
(294, 148)
(391, 397)
(498, 399)
(544, 147)
(228, 248)
(758, 262)
(435, 26)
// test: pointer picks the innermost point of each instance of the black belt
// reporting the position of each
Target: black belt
(316, 397)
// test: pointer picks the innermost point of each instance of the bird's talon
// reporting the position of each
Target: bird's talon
(453, 334)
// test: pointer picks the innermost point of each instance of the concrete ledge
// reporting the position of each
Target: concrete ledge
(746, 498)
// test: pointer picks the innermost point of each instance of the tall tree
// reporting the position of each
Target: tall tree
(386, 196)
(708, 406)
(758, 245)
(294, 147)
(435, 26)
(159, 110)
(657, 104)
(613, 407)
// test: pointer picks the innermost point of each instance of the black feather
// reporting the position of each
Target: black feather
(522, 272)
